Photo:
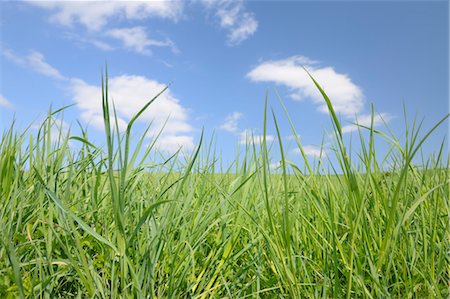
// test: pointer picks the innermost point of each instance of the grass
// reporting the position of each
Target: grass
(109, 222)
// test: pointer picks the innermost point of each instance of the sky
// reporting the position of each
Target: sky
(221, 59)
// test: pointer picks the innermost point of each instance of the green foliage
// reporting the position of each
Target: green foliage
(99, 223)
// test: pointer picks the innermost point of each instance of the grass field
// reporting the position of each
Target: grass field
(104, 222)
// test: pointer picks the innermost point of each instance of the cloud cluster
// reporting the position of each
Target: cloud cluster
(346, 96)
(95, 16)
(248, 136)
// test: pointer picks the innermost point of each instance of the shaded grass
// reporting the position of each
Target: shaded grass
(98, 223)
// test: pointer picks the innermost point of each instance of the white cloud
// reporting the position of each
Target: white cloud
(59, 130)
(130, 94)
(10, 55)
(95, 15)
(275, 165)
(81, 40)
(366, 120)
(228, 16)
(5, 103)
(172, 143)
(137, 40)
(292, 137)
(248, 137)
(36, 61)
(231, 122)
(246, 28)
(312, 151)
(347, 98)
(233, 17)
(100, 44)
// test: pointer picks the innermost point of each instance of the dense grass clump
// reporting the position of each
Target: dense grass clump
(104, 222)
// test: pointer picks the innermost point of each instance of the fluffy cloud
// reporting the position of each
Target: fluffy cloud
(366, 120)
(233, 17)
(346, 96)
(137, 40)
(130, 94)
(5, 103)
(231, 122)
(95, 15)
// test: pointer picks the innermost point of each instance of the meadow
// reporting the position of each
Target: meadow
(114, 222)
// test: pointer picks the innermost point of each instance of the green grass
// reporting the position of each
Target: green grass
(96, 223)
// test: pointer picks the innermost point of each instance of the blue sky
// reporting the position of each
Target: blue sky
(221, 58)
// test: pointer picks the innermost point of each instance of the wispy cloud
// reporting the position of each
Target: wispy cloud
(366, 120)
(5, 103)
(95, 15)
(136, 39)
(37, 62)
(231, 122)
(89, 40)
(34, 60)
(11, 56)
(233, 17)
(246, 28)
(347, 97)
